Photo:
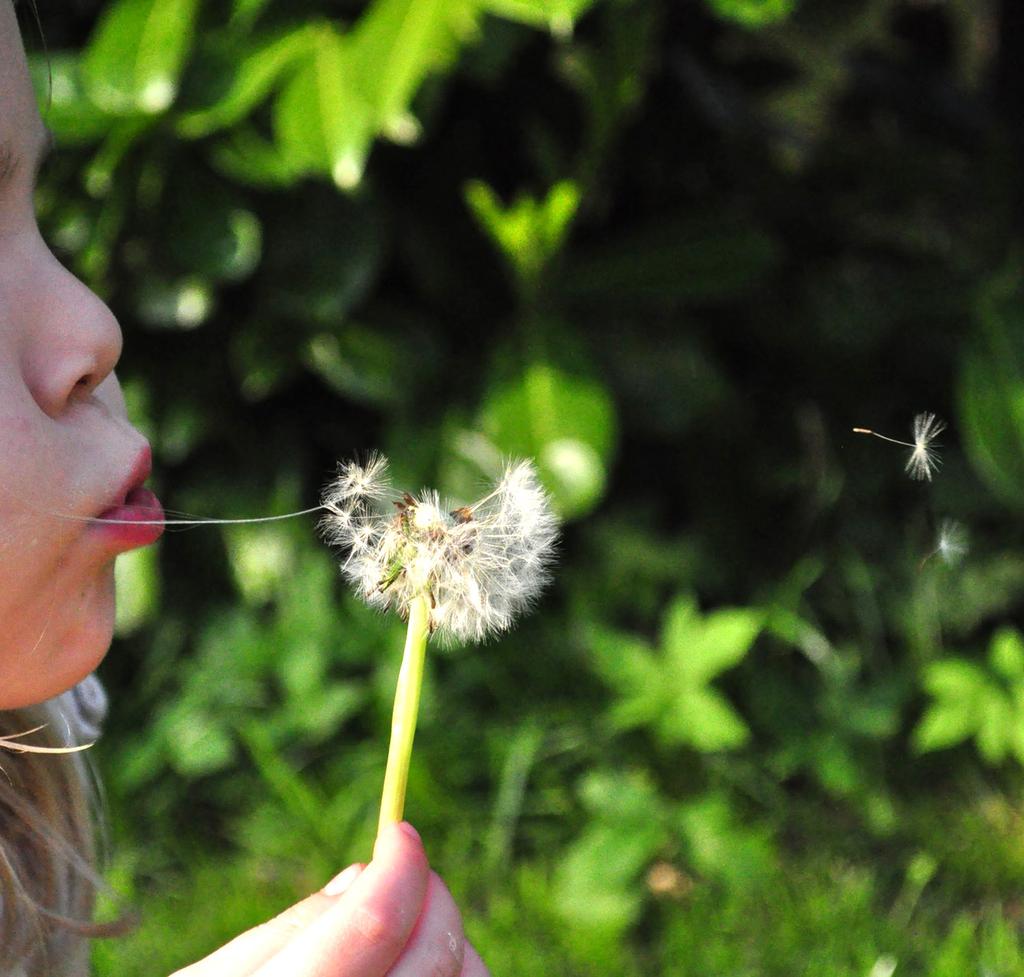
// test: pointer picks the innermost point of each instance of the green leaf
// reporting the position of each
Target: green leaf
(566, 422)
(597, 882)
(630, 667)
(721, 845)
(626, 663)
(321, 123)
(67, 110)
(252, 80)
(668, 691)
(704, 720)
(995, 729)
(528, 232)
(623, 797)
(594, 883)
(681, 622)
(957, 953)
(968, 702)
(753, 13)
(134, 59)
(705, 647)
(944, 724)
(397, 43)
(643, 705)
(248, 157)
(559, 16)
(954, 678)
(1006, 653)
(351, 88)
(119, 139)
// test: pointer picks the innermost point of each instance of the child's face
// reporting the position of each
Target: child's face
(65, 445)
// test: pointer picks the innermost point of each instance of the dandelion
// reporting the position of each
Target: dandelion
(462, 572)
(924, 459)
(951, 543)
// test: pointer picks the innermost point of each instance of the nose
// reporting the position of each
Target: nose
(75, 341)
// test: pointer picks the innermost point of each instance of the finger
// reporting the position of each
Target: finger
(364, 932)
(472, 965)
(437, 943)
(247, 952)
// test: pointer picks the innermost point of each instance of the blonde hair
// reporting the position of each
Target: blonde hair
(48, 878)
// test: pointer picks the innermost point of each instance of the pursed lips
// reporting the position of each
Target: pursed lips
(140, 471)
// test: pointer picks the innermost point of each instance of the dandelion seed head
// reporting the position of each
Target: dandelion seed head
(426, 515)
(924, 459)
(481, 564)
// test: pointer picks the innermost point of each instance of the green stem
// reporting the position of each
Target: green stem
(403, 719)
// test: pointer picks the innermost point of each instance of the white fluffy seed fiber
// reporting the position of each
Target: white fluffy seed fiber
(481, 565)
(924, 459)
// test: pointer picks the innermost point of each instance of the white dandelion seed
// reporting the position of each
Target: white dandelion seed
(924, 458)
(357, 485)
(480, 565)
(951, 543)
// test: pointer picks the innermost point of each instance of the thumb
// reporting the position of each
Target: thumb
(246, 953)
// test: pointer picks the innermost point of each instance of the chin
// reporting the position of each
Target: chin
(69, 647)
(88, 636)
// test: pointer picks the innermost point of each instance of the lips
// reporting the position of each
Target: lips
(139, 473)
(135, 516)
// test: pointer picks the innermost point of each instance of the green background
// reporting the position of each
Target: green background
(673, 250)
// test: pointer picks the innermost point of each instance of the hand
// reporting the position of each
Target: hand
(391, 918)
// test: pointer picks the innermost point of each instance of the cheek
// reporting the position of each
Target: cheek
(20, 463)
(35, 470)
(110, 393)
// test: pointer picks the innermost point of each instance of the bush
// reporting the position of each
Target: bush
(674, 252)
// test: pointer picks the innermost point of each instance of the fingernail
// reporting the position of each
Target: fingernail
(342, 880)
(403, 826)
(410, 832)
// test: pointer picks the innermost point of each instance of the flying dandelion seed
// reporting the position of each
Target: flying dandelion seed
(951, 543)
(924, 458)
(480, 564)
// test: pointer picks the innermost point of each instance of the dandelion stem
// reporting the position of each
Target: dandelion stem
(875, 434)
(403, 719)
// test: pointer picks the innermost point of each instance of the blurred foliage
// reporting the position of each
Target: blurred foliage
(987, 704)
(674, 251)
(670, 692)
